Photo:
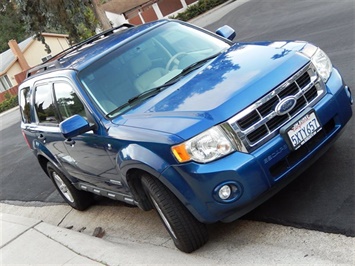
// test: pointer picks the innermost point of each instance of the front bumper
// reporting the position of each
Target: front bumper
(257, 176)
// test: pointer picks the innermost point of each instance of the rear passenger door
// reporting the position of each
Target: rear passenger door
(44, 126)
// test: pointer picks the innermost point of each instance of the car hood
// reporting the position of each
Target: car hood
(219, 90)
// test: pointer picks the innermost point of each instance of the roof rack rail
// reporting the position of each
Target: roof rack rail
(92, 39)
(53, 62)
(43, 67)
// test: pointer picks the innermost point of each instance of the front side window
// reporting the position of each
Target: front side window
(67, 101)
(146, 62)
(44, 105)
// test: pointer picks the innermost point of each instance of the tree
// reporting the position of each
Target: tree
(22, 18)
(100, 15)
(11, 26)
(73, 17)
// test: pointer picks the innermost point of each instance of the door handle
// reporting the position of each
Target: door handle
(41, 137)
(69, 142)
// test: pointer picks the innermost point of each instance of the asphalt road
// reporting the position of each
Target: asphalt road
(21, 177)
(322, 198)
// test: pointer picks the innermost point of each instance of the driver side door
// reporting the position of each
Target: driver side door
(87, 157)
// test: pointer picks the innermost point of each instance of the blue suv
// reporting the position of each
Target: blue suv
(172, 117)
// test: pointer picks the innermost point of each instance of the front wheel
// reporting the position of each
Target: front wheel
(77, 199)
(187, 233)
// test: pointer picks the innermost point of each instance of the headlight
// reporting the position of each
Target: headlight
(205, 147)
(320, 60)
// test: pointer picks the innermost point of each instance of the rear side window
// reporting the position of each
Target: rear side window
(25, 105)
(67, 101)
(44, 104)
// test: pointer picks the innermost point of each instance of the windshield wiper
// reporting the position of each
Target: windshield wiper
(117, 109)
(151, 92)
(144, 94)
(197, 64)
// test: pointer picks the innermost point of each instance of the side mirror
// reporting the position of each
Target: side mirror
(74, 126)
(226, 32)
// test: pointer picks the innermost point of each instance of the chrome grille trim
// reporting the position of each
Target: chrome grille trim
(263, 123)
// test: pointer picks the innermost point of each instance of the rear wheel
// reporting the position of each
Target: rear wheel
(77, 199)
(187, 233)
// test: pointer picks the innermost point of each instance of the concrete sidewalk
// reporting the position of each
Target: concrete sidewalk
(27, 241)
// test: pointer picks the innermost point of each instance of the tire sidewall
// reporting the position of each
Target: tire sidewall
(171, 229)
(180, 220)
(81, 199)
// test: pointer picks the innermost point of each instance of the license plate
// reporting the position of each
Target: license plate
(303, 130)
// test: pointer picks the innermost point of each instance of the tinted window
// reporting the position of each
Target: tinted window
(67, 101)
(45, 107)
(25, 105)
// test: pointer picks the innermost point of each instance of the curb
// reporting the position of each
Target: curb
(218, 13)
(9, 111)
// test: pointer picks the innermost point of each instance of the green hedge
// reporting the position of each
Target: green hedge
(10, 102)
(197, 9)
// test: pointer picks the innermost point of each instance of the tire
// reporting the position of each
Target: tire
(79, 200)
(187, 233)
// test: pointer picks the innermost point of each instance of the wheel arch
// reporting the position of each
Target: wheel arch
(134, 181)
(139, 161)
(44, 156)
(133, 162)
(43, 161)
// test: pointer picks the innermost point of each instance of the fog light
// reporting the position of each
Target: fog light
(224, 192)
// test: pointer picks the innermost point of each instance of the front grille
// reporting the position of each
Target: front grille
(260, 121)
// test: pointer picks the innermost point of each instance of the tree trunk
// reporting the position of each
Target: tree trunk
(101, 15)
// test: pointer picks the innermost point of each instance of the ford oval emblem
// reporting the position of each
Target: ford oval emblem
(285, 105)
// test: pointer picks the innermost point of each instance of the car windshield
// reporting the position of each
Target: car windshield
(147, 62)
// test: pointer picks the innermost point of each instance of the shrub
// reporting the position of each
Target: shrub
(197, 9)
(10, 102)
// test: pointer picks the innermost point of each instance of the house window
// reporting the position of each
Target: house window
(5, 83)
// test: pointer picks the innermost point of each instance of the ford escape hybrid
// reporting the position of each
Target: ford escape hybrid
(169, 116)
